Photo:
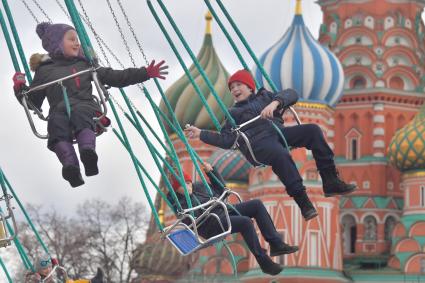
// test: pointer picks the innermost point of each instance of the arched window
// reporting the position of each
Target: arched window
(396, 83)
(370, 229)
(422, 193)
(354, 148)
(349, 235)
(311, 175)
(353, 143)
(358, 82)
(389, 227)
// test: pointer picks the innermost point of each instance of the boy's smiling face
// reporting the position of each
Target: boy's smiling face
(240, 91)
(188, 187)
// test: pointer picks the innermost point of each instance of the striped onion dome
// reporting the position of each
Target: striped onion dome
(407, 148)
(298, 61)
(184, 100)
(231, 164)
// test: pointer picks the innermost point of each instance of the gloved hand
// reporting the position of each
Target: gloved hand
(157, 71)
(18, 81)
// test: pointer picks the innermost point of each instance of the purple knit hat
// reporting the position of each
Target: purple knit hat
(51, 36)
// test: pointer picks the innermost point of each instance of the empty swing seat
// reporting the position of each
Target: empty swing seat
(184, 240)
(4, 240)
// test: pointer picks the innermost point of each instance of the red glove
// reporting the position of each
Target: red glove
(157, 71)
(104, 121)
(18, 81)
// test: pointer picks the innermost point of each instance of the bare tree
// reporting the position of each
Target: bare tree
(114, 233)
(102, 235)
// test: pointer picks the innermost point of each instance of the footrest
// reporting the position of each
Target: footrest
(184, 240)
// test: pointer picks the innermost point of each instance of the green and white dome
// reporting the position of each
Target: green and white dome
(183, 98)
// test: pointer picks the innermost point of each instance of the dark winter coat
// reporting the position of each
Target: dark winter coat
(200, 195)
(256, 131)
(79, 89)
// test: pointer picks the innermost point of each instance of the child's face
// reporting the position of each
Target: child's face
(71, 44)
(45, 271)
(180, 190)
(240, 91)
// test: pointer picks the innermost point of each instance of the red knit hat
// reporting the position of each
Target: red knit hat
(176, 184)
(244, 77)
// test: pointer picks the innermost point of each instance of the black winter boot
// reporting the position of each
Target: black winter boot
(332, 184)
(282, 248)
(307, 209)
(268, 266)
(86, 139)
(99, 276)
(70, 166)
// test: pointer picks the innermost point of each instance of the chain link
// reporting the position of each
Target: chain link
(41, 9)
(132, 31)
(102, 45)
(121, 33)
(86, 19)
(64, 10)
(30, 11)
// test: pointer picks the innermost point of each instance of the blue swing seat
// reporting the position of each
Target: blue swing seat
(184, 240)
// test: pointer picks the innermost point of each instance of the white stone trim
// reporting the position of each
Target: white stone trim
(379, 119)
(378, 106)
(378, 144)
(378, 131)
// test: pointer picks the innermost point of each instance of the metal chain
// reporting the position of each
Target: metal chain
(102, 45)
(64, 10)
(30, 11)
(41, 9)
(132, 31)
(87, 20)
(121, 33)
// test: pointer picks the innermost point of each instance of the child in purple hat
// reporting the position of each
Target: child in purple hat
(65, 58)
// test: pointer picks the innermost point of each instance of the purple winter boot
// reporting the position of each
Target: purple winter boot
(86, 139)
(70, 166)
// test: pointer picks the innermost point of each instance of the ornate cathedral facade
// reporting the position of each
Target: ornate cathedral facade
(362, 81)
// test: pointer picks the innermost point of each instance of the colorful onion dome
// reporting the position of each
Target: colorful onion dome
(231, 164)
(407, 148)
(183, 98)
(298, 61)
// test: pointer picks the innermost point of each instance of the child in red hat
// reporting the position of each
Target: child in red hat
(65, 58)
(267, 146)
(241, 223)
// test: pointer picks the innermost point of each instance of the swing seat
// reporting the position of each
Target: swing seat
(184, 240)
(4, 239)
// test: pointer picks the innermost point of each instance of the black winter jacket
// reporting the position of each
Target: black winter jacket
(200, 195)
(246, 110)
(79, 89)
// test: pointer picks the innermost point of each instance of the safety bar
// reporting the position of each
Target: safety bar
(102, 92)
(43, 86)
(207, 213)
(247, 123)
(54, 269)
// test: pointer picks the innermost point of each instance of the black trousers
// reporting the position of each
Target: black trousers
(243, 224)
(272, 151)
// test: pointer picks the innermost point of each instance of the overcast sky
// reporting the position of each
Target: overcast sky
(35, 172)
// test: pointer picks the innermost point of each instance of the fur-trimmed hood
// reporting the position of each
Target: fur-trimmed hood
(37, 59)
